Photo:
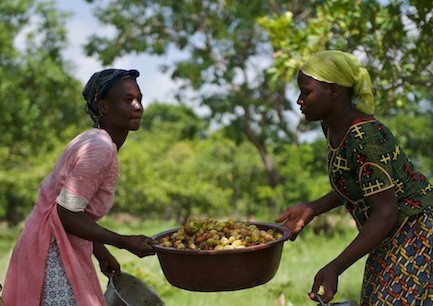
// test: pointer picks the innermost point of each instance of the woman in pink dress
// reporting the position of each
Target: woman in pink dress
(52, 261)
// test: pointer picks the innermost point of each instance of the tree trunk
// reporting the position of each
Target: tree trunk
(12, 215)
(274, 177)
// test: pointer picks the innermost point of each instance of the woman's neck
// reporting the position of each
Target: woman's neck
(339, 124)
(118, 137)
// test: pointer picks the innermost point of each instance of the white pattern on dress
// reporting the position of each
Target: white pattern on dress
(71, 201)
(57, 290)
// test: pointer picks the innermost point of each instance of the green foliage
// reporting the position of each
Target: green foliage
(226, 61)
(167, 176)
(39, 100)
(175, 178)
(235, 168)
(252, 162)
(36, 91)
(393, 38)
(304, 181)
(178, 119)
(225, 55)
(415, 137)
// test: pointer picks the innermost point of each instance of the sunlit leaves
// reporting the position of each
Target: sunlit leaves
(392, 38)
(39, 99)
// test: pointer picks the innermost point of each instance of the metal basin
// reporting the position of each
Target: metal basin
(127, 290)
(221, 270)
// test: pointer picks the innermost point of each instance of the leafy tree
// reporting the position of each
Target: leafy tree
(228, 46)
(415, 136)
(235, 167)
(167, 175)
(178, 119)
(393, 38)
(226, 55)
(38, 97)
(159, 178)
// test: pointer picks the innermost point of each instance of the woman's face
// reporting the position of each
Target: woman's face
(123, 109)
(314, 98)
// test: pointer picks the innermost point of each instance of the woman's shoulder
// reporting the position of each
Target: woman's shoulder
(94, 137)
(92, 142)
(370, 136)
(370, 128)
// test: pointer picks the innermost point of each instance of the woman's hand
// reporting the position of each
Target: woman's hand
(295, 218)
(108, 264)
(139, 245)
(327, 278)
(382, 219)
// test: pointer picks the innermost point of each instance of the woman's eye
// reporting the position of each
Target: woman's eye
(304, 93)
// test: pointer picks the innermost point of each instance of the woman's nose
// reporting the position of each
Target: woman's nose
(136, 104)
(300, 101)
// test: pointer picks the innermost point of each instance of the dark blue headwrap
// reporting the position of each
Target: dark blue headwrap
(100, 84)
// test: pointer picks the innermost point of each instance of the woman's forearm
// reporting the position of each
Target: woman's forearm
(81, 225)
(326, 203)
(99, 250)
(372, 234)
(379, 224)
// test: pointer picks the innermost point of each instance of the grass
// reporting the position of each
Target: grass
(299, 263)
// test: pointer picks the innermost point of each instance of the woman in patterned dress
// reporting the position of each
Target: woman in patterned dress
(52, 261)
(374, 179)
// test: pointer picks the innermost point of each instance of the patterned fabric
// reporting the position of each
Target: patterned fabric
(57, 290)
(400, 273)
(71, 201)
(369, 161)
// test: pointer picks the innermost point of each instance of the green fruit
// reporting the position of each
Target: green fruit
(209, 234)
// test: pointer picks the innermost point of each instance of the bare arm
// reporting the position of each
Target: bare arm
(296, 217)
(81, 225)
(383, 218)
(107, 262)
(326, 203)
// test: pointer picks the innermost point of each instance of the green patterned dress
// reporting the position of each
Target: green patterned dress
(369, 161)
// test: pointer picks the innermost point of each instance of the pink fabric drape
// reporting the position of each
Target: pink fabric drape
(88, 169)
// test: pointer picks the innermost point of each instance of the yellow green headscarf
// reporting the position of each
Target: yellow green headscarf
(338, 67)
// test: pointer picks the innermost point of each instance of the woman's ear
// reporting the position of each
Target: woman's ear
(335, 90)
(101, 106)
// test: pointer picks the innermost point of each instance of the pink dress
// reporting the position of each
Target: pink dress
(84, 176)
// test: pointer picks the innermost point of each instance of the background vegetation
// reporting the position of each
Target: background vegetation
(248, 157)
